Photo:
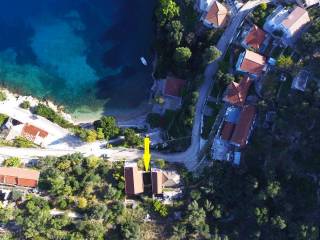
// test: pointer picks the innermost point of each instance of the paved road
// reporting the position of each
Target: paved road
(189, 157)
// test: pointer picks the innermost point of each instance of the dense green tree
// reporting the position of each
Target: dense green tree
(182, 55)
(261, 215)
(25, 104)
(130, 230)
(273, 189)
(108, 125)
(279, 222)
(284, 62)
(12, 162)
(166, 11)
(3, 96)
(131, 138)
(175, 32)
(210, 54)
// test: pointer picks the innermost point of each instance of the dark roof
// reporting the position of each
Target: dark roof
(174, 86)
(227, 130)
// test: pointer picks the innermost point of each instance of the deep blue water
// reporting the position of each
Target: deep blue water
(77, 52)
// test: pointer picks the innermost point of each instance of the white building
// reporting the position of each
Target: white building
(288, 23)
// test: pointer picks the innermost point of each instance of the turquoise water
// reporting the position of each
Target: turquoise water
(78, 53)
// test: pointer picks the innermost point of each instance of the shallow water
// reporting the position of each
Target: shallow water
(83, 54)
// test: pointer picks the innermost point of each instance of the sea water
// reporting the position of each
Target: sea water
(83, 54)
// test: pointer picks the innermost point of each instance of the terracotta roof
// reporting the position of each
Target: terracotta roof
(217, 14)
(32, 132)
(296, 19)
(242, 129)
(156, 176)
(133, 180)
(255, 37)
(236, 93)
(174, 86)
(24, 173)
(253, 63)
(227, 130)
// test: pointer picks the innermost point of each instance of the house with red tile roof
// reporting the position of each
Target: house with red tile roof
(22, 177)
(28, 131)
(254, 38)
(244, 126)
(227, 130)
(251, 63)
(216, 16)
(137, 182)
(236, 93)
(169, 91)
(133, 179)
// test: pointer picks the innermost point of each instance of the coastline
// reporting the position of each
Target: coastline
(127, 117)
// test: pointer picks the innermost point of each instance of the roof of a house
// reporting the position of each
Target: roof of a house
(32, 131)
(236, 93)
(133, 180)
(24, 173)
(217, 14)
(255, 37)
(242, 129)
(174, 86)
(227, 130)
(170, 178)
(253, 63)
(157, 180)
(296, 19)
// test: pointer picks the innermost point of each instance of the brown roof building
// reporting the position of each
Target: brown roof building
(251, 63)
(243, 128)
(133, 179)
(254, 38)
(227, 130)
(236, 93)
(32, 132)
(174, 86)
(22, 177)
(161, 179)
(217, 15)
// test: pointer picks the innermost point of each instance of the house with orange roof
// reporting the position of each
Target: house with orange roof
(168, 94)
(244, 126)
(22, 177)
(236, 93)
(251, 63)
(216, 16)
(154, 182)
(254, 38)
(28, 131)
(288, 24)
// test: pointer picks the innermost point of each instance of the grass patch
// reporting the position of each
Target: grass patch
(208, 121)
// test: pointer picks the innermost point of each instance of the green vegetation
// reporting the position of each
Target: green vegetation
(108, 126)
(310, 40)
(132, 139)
(3, 119)
(3, 96)
(12, 162)
(210, 54)
(182, 55)
(52, 116)
(261, 13)
(25, 104)
(284, 62)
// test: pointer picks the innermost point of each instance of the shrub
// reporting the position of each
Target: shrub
(3, 96)
(160, 208)
(52, 116)
(25, 105)
(3, 119)
(12, 162)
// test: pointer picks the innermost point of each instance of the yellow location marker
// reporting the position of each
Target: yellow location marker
(146, 155)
